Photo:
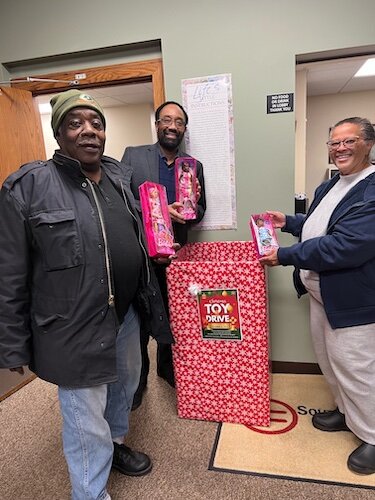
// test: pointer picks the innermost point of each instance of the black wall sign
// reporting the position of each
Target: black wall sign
(280, 103)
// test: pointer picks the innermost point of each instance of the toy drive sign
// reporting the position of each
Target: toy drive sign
(219, 314)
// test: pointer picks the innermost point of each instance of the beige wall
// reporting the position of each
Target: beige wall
(130, 125)
(322, 113)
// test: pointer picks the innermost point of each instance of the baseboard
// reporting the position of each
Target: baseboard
(17, 387)
(293, 367)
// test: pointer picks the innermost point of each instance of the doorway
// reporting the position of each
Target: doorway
(326, 92)
(129, 92)
(129, 113)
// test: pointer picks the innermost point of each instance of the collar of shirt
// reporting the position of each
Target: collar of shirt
(164, 158)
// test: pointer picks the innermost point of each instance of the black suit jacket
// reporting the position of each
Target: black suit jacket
(143, 161)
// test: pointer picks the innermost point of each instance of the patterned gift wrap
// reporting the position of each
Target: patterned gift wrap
(219, 379)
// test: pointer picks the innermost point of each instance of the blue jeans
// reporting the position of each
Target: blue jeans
(94, 416)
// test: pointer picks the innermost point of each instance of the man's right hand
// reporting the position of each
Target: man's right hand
(19, 370)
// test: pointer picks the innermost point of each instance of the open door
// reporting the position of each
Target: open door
(21, 136)
(21, 141)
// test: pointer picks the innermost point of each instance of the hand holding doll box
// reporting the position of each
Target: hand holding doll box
(263, 232)
(186, 186)
(156, 219)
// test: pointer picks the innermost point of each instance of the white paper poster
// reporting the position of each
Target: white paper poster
(209, 138)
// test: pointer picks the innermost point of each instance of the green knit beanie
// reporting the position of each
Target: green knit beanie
(66, 101)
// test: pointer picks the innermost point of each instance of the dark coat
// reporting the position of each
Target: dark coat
(344, 257)
(56, 313)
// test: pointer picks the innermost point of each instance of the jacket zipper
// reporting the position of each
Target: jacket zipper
(111, 297)
(139, 233)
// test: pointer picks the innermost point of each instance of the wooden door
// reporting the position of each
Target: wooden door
(21, 141)
(21, 136)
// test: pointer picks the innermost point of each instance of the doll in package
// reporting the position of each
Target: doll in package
(263, 233)
(186, 186)
(156, 219)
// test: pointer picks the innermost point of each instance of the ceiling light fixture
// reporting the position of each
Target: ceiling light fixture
(367, 68)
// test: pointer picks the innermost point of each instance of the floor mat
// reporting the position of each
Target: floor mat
(291, 447)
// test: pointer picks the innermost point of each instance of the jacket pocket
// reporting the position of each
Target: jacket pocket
(45, 324)
(56, 235)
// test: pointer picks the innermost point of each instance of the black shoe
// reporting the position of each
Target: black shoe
(362, 460)
(330, 421)
(129, 462)
(168, 375)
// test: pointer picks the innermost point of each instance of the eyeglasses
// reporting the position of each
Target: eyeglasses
(167, 121)
(348, 143)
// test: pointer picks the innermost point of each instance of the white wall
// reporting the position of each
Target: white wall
(322, 113)
(300, 126)
(130, 125)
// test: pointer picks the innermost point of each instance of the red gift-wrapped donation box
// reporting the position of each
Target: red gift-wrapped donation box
(218, 311)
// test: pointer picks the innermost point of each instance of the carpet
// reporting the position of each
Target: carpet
(291, 448)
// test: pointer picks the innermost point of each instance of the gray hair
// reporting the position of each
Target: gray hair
(366, 126)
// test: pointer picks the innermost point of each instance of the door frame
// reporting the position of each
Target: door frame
(103, 76)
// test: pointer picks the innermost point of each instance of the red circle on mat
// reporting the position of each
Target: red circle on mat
(287, 418)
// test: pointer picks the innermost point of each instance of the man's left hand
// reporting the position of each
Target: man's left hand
(198, 190)
(165, 261)
(18, 369)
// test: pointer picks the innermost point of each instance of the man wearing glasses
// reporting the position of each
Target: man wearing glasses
(335, 264)
(156, 163)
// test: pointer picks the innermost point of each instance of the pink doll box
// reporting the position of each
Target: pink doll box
(156, 219)
(186, 186)
(220, 377)
(263, 233)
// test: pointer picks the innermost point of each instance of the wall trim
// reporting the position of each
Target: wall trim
(118, 74)
(294, 367)
(17, 387)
